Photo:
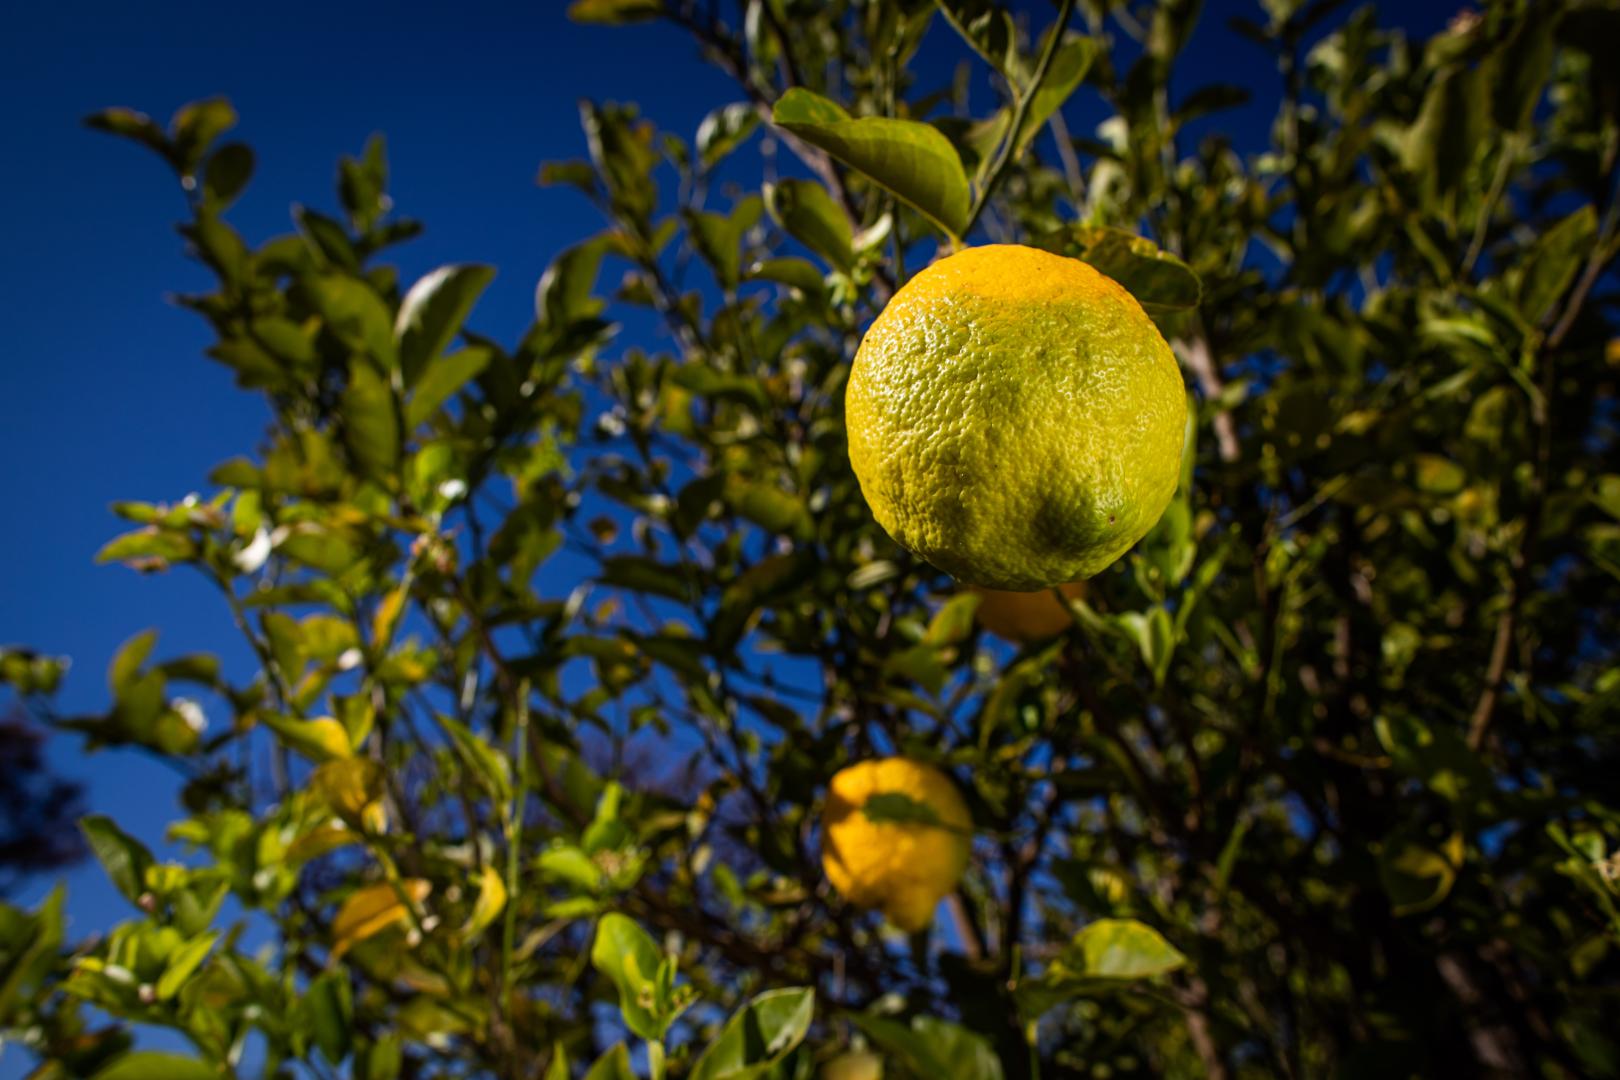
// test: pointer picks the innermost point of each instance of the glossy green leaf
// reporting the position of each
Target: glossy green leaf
(370, 422)
(1105, 956)
(723, 130)
(356, 315)
(719, 237)
(228, 170)
(432, 314)
(612, 1065)
(156, 1065)
(796, 273)
(758, 1036)
(813, 218)
(125, 859)
(628, 957)
(911, 159)
(327, 1007)
(1069, 66)
(1160, 282)
(442, 379)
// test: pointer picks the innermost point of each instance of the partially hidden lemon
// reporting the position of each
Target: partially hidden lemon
(1015, 418)
(1025, 617)
(903, 868)
(854, 1065)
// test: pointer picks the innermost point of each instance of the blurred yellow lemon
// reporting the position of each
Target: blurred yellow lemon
(855, 1065)
(1015, 418)
(1024, 617)
(895, 836)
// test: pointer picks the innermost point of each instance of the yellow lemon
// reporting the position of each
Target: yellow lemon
(1024, 617)
(1015, 418)
(855, 1065)
(902, 867)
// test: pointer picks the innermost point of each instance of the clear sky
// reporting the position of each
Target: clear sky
(104, 393)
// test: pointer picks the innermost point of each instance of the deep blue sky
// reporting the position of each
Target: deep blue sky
(104, 393)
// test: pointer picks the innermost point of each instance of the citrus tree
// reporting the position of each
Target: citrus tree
(560, 641)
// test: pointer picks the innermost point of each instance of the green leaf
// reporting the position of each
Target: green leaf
(614, 12)
(128, 660)
(432, 313)
(796, 273)
(195, 127)
(988, 27)
(1209, 99)
(226, 174)
(1435, 755)
(933, 1048)
(911, 159)
(329, 244)
(442, 379)
(718, 238)
(132, 125)
(1121, 949)
(953, 622)
(1418, 875)
(124, 858)
(613, 1065)
(321, 739)
(154, 1065)
(1439, 147)
(628, 957)
(769, 507)
(356, 315)
(564, 293)
(1106, 955)
(967, 1054)
(557, 1067)
(813, 218)
(567, 863)
(1160, 282)
(182, 962)
(1069, 66)
(1521, 69)
(897, 808)
(370, 424)
(757, 1036)
(1552, 262)
(1154, 634)
(646, 575)
(489, 766)
(327, 1008)
(723, 130)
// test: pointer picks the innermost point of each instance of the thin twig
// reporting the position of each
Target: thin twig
(1009, 148)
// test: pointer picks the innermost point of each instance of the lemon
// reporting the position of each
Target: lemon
(1024, 617)
(855, 1065)
(903, 868)
(1015, 418)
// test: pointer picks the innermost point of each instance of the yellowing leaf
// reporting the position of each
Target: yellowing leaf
(318, 842)
(352, 787)
(386, 619)
(372, 909)
(491, 899)
(321, 739)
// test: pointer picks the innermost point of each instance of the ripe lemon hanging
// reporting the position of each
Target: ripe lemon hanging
(902, 867)
(1023, 617)
(1015, 418)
